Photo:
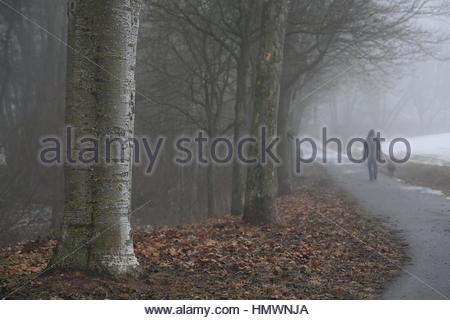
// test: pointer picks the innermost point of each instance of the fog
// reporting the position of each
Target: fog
(180, 143)
(407, 99)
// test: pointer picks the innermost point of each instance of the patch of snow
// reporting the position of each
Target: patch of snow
(431, 149)
(424, 190)
(35, 214)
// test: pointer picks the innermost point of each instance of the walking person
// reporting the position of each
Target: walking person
(371, 154)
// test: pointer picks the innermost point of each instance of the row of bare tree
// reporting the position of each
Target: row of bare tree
(31, 105)
(227, 68)
(201, 61)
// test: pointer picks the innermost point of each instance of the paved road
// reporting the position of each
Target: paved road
(423, 218)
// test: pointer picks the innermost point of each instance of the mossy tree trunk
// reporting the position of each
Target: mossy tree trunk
(100, 97)
(260, 205)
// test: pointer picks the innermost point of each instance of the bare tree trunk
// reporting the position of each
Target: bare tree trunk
(210, 192)
(96, 231)
(260, 204)
(284, 171)
(240, 127)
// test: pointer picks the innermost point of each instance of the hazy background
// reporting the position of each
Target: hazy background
(403, 95)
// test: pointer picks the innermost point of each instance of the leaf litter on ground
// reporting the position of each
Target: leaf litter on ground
(326, 248)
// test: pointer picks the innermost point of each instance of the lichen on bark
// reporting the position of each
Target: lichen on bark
(260, 205)
(100, 101)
